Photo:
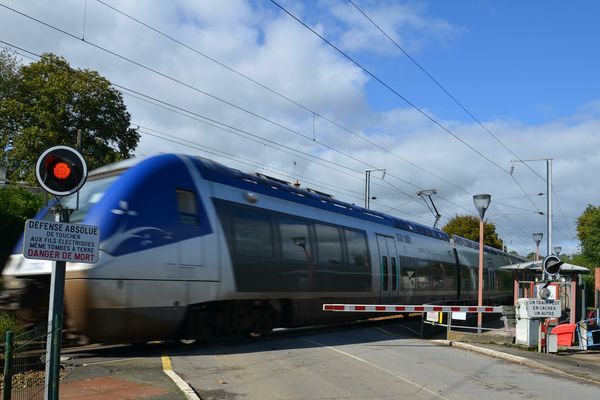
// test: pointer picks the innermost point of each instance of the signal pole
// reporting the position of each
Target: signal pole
(548, 200)
(55, 317)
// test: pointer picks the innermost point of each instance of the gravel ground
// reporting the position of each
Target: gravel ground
(29, 379)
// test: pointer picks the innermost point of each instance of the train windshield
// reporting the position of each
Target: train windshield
(91, 193)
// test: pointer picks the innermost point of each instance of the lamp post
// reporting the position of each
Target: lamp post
(482, 202)
(537, 238)
(557, 250)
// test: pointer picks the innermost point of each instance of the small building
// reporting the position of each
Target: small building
(567, 288)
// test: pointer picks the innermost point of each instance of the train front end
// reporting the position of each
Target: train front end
(26, 282)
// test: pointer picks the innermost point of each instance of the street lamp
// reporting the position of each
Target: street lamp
(537, 238)
(482, 202)
(557, 250)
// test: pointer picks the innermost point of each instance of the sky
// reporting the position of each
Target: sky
(451, 96)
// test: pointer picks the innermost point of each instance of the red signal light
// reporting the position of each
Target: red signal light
(61, 170)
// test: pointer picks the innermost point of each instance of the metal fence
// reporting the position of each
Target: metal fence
(588, 331)
(24, 364)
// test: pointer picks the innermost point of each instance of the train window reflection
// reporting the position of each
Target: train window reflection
(357, 249)
(89, 195)
(423, 280)
(330, 246)
(408, 273)
(252, 233)
(295, 243)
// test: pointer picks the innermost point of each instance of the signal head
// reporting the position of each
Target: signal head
(61, 170)
(552, 265)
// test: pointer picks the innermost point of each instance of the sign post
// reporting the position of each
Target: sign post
(61, 171)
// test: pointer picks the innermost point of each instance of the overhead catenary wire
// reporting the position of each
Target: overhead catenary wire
(405, 99)
(314, 113)
(390, 175)
(192, 87)
(152, 70)
(231, 129)
(438, 84)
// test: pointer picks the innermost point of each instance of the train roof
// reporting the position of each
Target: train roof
(260, 183)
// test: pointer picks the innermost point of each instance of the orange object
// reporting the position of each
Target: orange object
(565, 334)
(62, 170)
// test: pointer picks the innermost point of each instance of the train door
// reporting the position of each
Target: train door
(389, 267)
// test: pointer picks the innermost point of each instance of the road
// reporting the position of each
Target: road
(369, 362)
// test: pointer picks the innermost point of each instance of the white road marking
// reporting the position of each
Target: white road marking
(181, 384)
(370, 364)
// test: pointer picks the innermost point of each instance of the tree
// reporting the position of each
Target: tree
(18, 205)
(588, 231)
(45, 103)
(467, 226)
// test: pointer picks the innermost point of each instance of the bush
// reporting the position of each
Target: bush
(9, 322)
(18, 204)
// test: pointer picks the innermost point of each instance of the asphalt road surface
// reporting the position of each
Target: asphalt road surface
(372, 362)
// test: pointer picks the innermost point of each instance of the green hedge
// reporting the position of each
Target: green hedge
(18, 205)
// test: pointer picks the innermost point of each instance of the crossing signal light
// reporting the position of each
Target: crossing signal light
(552, 265)
(61, 170)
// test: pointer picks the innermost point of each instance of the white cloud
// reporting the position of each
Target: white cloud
(405, 23)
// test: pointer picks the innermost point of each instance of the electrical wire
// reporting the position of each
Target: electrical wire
(438, 84)
(277, 93)
(405, 99)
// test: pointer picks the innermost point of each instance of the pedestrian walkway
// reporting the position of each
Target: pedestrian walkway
(108, 387)
(118, 379)
(571, 362)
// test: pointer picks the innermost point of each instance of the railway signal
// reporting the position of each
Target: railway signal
(552, 265)
(61, 170)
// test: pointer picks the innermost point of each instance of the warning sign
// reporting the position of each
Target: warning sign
(538, 308)
(60, 241)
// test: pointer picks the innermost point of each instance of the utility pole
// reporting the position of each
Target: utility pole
(548, 200)
(368, 184)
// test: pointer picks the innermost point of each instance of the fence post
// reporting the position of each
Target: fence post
(55, 369)
(8, 369)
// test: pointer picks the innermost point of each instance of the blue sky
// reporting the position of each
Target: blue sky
(526, 70)
(533, 61)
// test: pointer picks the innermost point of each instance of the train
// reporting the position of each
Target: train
(192, 249)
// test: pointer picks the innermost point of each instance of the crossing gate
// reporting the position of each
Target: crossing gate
(409, 308)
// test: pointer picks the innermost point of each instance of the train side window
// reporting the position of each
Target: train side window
(384, 273)
(187, 207)
(329, 244)
(358, 253)
(394, 273)
(465, 276)
(450, 276)
(423, 278)
(252, 233)
(437, 276)
(409, 273)
(295, 240)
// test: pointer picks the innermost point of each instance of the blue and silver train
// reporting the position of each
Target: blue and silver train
(190, 248)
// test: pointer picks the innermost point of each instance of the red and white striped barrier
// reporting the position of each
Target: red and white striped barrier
(408, 308)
